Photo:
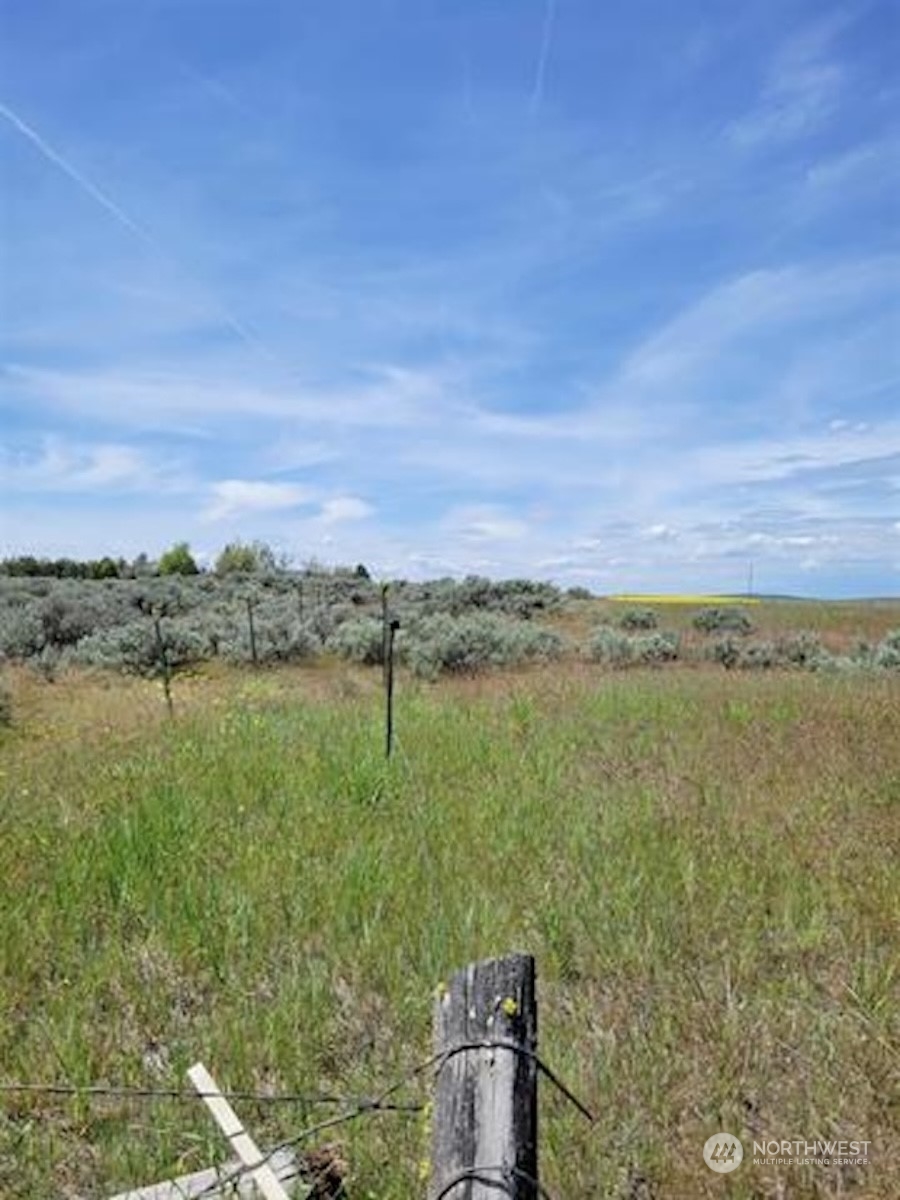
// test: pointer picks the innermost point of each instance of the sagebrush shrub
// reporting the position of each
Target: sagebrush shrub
(617, 649)
(134, 648)
(278, 635)
(360, 641)
(74, 612)
(723, 620)
(639, 618)
(801, 650)
(6, 704)
(611, 647)
(21, 632)
(520, 598)
(656, 648)
(887, 652)
(760, 655)
(473, 642)
(725, 651)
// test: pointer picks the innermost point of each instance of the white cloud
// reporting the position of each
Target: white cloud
(238, 497)
(783, 458)
(345, 508)
(660, 532)
(484, 524)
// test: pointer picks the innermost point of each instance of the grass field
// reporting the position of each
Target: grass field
(703, 862)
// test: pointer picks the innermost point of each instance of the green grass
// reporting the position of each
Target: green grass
(703, 864)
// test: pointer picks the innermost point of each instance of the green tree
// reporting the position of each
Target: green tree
(178, 561)
(246, 558)
(104, 568)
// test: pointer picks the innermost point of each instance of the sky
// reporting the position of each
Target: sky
(598, 292)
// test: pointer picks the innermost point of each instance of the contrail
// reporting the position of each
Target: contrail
(85, 184)
(537, 92)
(118, 214)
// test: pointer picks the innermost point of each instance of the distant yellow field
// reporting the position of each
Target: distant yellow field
(636, 599)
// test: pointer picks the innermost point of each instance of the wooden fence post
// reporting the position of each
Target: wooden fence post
(164, 664)
(484, 1143)
(250, 622)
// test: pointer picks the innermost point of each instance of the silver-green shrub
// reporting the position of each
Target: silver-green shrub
(887, 652)
(656, 648)
(21, 632)
(134, 648)
(616, 649)
(802, 650)
(638, 618)
(760, 656)
(611, 647)
(278, 635)
(726, 651)
(360, 640)
(726, 619)
(470, 643)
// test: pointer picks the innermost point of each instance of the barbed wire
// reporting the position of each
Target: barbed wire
(380, 1103)
(354, 1108)
(116, 1091)
(506, 1182)
(444, 1056)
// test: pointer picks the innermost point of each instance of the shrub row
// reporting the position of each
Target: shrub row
(805, 651)
(441, 643)
(445, 627)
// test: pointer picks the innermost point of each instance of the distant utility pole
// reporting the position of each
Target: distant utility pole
(750, 579)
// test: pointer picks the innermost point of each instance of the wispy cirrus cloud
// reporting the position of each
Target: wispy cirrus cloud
(60, 465)
(537, 91)
(801, 90)
(377, 395)
(760, 304)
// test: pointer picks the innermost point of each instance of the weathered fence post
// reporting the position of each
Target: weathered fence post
(164, 664)
(253, 655)
(484, 1143)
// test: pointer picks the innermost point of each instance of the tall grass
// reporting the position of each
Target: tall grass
(702, 864)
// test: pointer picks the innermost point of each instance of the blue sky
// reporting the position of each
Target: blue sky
(605, 293)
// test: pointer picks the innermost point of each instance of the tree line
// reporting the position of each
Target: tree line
(237, 558)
